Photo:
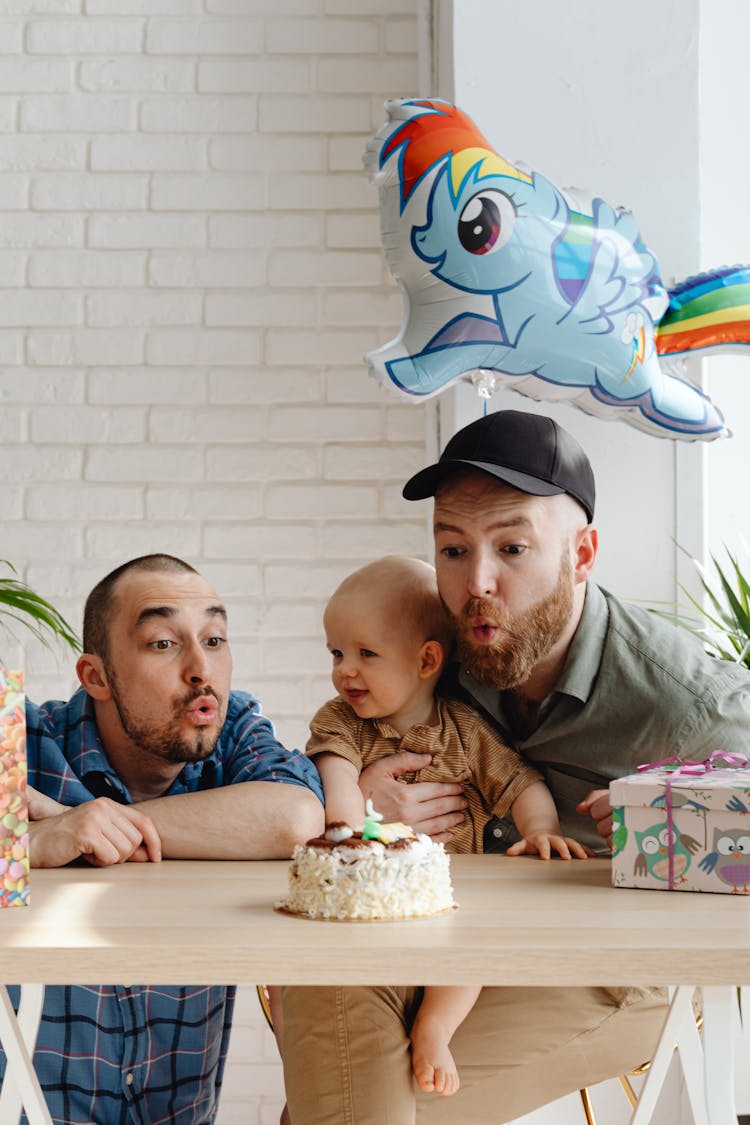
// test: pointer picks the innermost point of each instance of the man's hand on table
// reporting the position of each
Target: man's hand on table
(41, 806)
(432, 807)
(103, 832)
(596, 805)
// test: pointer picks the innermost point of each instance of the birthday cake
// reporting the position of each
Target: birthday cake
(386, 871)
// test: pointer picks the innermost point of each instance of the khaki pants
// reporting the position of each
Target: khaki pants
(346, 1051)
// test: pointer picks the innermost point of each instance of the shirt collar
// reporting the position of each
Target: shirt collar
(387, 731)
(90, 755)
(584, 655)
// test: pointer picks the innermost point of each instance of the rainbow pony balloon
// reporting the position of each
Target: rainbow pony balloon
(509, 280)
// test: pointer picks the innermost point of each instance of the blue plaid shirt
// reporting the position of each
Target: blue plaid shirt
(143, 1055)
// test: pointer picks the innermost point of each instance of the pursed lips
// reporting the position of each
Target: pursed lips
(203, 711)
(483, 628)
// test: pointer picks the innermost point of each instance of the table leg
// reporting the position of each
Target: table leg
(709, 1076)
(692, 1059)
(18, 1035)
(719, 1014)
(680, 1013)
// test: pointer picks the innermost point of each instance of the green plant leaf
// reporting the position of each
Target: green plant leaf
(741, 617)
(723, 624)
(743, 586)
(21, 604)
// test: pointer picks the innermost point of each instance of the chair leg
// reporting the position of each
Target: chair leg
(627, 1086)
(588, 1107)
(265, 1003)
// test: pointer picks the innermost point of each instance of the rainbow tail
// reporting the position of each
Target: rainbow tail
(710, 310)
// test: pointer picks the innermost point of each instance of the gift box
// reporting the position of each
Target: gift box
(14, 815)
(683, 826)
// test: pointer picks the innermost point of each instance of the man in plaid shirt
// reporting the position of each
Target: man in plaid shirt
(153, 744)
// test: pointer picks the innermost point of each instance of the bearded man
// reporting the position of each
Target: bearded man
(153, 757)
(586, 688)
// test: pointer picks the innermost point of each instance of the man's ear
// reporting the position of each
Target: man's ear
(586, 547)
(93, 678)
(431, 656)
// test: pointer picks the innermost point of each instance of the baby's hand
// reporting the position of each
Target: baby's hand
(544, 843)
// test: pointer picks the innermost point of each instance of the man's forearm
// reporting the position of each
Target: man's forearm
(250, 820)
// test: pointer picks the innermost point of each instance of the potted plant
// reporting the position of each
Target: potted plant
(722, 624)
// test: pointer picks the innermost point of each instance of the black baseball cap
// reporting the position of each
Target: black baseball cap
(530, 452)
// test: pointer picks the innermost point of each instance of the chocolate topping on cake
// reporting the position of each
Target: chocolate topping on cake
(322, 843)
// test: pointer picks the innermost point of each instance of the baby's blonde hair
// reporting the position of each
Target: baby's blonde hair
(407, 591)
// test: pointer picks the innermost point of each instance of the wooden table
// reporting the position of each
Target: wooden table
(561, 923)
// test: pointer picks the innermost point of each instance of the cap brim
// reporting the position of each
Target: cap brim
(426, 482)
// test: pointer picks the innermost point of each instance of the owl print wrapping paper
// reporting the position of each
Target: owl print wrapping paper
(682, 833)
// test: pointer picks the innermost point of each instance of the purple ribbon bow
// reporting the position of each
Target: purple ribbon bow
(679, 767)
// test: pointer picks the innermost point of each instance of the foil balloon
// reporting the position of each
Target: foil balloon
(509, 280)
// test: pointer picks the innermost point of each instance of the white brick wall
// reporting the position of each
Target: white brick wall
(190, 273)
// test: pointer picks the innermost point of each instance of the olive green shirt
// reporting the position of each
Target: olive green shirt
(633, 689)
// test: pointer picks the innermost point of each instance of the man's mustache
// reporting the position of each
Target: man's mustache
(477, 607)
(198, 693)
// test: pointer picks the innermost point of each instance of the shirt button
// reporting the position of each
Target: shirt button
(129, 1079)
(497, 833)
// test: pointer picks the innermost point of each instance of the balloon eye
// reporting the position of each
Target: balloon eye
(486, 222)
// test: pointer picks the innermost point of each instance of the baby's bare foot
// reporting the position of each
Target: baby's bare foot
(433, 1066)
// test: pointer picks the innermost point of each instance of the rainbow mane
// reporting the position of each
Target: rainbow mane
(711, 308)
(443, 132)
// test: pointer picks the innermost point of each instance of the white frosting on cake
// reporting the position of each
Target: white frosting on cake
(361, 879)
(338, 832)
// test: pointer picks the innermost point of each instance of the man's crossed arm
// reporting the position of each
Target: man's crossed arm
(249, 820)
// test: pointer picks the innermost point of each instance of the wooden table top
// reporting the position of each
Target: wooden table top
(519, 921)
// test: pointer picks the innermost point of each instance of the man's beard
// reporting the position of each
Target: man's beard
(527, 637)
(166, 743)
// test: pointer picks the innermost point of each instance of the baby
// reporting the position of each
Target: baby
(389, 636)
